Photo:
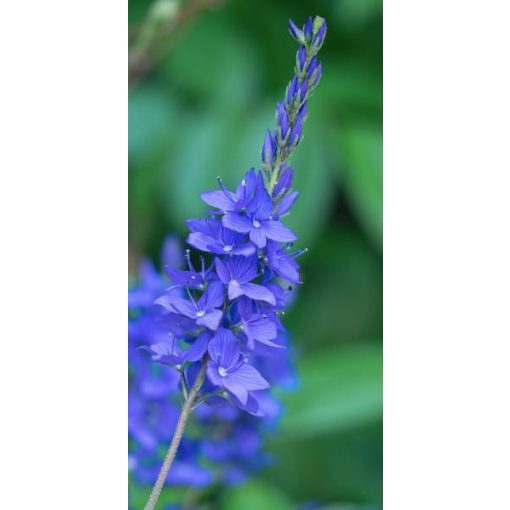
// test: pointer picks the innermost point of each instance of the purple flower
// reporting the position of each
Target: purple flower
(192, 278)
(268, 149)
(320, 33)
(204, 311)
(282, 263)
(237, 273)
(292, 88)
(226, 200)
(316, 76)
(308, 28)
(173, 352)
(226, 315)
(228, 369)
(301, 59)
(283, 119)
(311, 67)
(257, 327)
(210, 236)
(296, 32)
(258, 221)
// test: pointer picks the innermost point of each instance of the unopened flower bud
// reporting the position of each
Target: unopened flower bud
(296, 32)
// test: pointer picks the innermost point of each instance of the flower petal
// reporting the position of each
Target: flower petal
(177, 304)
(222, 271)
(258, 237)
(277, 231)
(208, 226)
(247, 376)
(224, 349)
(261, 206)
(221, 199)
(258, 292)
(238, 390)
(243, 269)
(197, 348)
(237, 222)
(203, 242)
(286, 203)
(234, 290)
(211, 320)
(262, 329)
(245, 249)
(213, 296)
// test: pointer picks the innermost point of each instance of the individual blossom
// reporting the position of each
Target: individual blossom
(283, 263)
(258, 221)
(204, 311)
(208, 235)
(236, 273)
(226, 200)
(190, 278)
(229, 369)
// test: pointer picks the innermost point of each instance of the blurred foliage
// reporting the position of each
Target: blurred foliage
(201, 112)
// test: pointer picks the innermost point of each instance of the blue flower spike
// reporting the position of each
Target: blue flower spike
(220, 328)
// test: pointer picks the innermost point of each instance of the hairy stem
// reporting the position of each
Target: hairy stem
(179, 431)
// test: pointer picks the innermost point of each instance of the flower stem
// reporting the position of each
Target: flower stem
(179, 431)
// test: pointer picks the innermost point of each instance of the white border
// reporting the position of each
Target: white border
(446, 255)
(63, 209)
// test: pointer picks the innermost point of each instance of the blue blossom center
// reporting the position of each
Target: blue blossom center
(235, 283)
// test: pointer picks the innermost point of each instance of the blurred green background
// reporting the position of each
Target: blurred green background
(203, 90)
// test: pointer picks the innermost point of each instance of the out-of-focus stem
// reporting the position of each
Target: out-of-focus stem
(179, 431)
(153, 36)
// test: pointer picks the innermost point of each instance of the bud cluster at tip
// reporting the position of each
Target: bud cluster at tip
(291, 113)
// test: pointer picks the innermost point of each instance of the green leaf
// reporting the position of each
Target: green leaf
(342, 277)
(255, 495)
(362, 155)
(216, 144)
(150, 122)
(213, 60)
(353, 14)
(340, 388)
(139, 494)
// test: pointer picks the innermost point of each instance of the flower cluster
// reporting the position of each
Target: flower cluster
(226, 445)
(228, 309)
(217, 322)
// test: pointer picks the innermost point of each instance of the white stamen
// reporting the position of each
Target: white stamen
(222, 371)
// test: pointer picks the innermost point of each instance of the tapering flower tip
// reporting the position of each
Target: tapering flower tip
(283, 119)
(268, 149)
(296, 32)
(309, 28)
(319, 32)
(291, 90)
(301, 59)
